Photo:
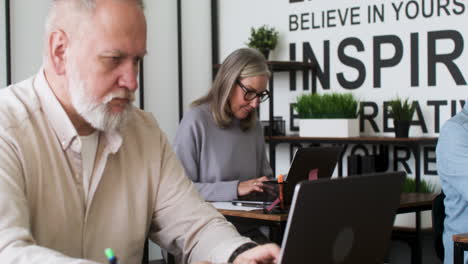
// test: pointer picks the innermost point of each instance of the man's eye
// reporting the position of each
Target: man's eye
(114, 59)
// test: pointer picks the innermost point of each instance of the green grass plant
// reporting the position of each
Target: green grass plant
(331, 105)
(424, 186)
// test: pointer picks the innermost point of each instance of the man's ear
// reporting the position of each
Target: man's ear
(58, 44)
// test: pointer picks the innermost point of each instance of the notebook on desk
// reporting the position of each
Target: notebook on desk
(324, 159)
(345, 220)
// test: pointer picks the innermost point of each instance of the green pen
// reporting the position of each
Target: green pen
(110, 256)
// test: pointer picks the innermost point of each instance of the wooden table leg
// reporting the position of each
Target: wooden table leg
(418, 243)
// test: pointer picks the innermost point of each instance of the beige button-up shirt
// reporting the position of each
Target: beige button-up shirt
(138, 190)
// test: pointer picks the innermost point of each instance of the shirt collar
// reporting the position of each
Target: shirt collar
(60, 121)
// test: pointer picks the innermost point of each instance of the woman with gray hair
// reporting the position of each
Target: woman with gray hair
(219, 140)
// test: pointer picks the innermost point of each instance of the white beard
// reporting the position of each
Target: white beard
(94, 112)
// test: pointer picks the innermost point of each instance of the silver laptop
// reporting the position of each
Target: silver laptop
(346, 220)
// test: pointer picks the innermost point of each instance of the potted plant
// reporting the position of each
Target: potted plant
(409, 186)
(401, 110)
(408, 220)
(328, 115)
(263, 39)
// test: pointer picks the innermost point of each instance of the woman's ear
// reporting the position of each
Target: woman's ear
(58, 44)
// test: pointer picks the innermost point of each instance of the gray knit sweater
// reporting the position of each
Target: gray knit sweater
(216, 159)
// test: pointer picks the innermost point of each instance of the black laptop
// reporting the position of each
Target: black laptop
(345, 220)
(324, 159)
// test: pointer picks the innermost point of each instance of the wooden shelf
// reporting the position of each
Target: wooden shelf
(278, 66)
(364, 139)
(290, 65)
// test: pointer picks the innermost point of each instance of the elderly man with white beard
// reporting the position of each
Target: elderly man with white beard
(82, 170)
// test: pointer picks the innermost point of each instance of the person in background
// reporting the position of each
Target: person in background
(452, 164)
(82, 169)
(219, 141)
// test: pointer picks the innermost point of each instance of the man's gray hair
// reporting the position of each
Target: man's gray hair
(56, 16)
(79, 5)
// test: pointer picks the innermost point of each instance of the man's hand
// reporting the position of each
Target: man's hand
(265, 254)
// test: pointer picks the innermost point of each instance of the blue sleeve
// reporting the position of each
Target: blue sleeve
(452, 158)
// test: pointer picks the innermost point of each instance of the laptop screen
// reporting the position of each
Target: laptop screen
(345, 220)
(322, 159)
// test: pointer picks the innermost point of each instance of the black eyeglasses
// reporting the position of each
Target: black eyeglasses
(250, 95)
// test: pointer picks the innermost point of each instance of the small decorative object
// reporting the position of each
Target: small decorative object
(263, 39)
(401, 110)
(279, 126)
(328, 115)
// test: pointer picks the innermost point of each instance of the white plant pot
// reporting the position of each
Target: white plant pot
(409, 220)
(329, 127)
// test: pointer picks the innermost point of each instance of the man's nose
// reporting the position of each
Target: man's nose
(128, 77)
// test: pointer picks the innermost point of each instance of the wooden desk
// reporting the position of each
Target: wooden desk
(255, 214)
(412, 202)
(409, 202)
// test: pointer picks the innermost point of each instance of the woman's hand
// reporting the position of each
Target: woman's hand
(254, 185)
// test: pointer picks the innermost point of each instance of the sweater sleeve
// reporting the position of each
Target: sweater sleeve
(190, 136)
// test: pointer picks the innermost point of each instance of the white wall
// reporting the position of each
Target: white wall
(197, 67)
(26, 37)
(161, 72)
(160, 64)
